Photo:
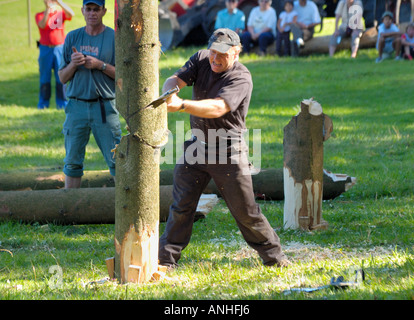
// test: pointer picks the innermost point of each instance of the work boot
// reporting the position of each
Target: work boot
(283, 263)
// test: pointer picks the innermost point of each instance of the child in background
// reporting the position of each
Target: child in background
(389, 38)
(286, 18)
(407, 41)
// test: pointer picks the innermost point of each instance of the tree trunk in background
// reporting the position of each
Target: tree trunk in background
(137, 156)
(303, 167)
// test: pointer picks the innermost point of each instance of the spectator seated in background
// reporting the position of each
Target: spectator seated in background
(389, 38)
(231, 17)
(407, 41)
(303, 29)
(286, 19)
(344, 30)
(261, 27)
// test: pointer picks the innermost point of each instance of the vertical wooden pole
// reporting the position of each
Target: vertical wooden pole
(137, 157)
(29, 23)
(303, 167)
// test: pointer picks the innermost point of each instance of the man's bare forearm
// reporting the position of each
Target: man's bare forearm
(68, 10)
(172, 82)
(67, 73)
(207, 108)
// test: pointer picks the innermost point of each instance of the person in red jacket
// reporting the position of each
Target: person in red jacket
(52, 36)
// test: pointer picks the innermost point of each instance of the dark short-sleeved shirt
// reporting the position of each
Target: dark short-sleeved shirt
(234, 86)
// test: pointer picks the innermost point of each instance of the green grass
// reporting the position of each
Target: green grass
(370, 226)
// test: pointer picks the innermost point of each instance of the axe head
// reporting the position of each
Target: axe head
(162, 98)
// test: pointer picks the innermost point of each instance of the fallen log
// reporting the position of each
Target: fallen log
(267, 184)
(52, 180)
(321, 44)
(78, 206)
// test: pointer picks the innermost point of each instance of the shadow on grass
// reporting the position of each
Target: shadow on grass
(24, 92)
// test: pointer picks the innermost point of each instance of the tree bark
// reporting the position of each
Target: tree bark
(137, 157)
(303, 167)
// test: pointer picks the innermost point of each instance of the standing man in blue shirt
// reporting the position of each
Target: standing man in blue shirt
(88, 65)
(231, 17)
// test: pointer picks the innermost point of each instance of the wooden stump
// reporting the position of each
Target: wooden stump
(303, 167)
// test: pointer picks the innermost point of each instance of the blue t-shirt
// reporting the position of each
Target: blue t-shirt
(231, 21)
(382, 29)
(87, 83)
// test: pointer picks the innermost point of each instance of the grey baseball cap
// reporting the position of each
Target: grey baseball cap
(223, 39)
(387, 14)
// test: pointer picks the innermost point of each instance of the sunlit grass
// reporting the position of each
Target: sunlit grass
(222, 266)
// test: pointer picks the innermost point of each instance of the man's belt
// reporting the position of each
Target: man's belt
(101, 103)
(50, 45)
(216, 144)
(91, 100)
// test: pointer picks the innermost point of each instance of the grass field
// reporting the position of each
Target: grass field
(370, 227)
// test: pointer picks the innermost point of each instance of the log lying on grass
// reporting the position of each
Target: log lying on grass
(267, 184)
(78, 206)
(52, 180)
(321, 44)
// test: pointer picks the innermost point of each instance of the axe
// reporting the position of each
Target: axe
(162, 98)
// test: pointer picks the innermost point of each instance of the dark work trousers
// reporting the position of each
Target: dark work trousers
(265, 39)
(305, 34)
(283, 43)
(235, 184)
